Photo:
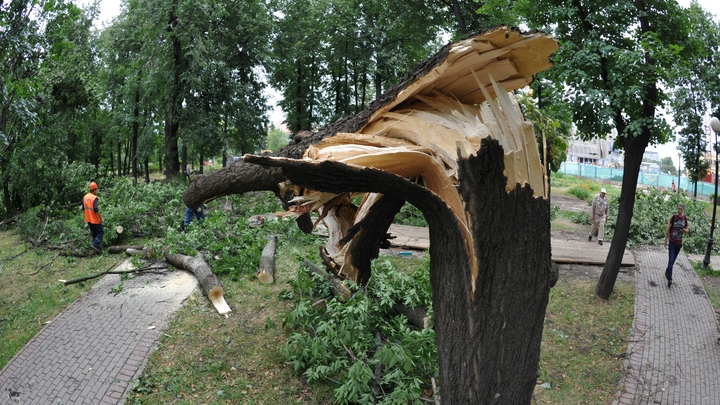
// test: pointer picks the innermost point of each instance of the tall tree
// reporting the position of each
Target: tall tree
(696, 81)
(332, 58)
(47, 102)
(616, 59)
(21, 44)
(200, 71)
(467, 16)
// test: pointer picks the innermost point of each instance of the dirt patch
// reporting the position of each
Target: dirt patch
(711, 281)
(567, 203)
(587, 272)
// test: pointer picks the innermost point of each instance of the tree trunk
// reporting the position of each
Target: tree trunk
(634, 150)
(508, 293)
(184, 159)
(119, 158)
(172, 122)
(123, 248)
(135, 130)
(487, 209)
(147, 169)
(266, 271)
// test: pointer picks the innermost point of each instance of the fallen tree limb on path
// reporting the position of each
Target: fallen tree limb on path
(109, 271)
(207, 279)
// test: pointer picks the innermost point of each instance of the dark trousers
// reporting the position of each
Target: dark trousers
(673, 252)
(97, 232)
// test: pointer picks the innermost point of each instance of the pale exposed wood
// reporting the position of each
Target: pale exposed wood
(500, 45)
(266, 272)
(437, 120)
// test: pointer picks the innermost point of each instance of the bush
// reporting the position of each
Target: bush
(651, 217)
(579, 192)
(410, 215)
(339, 345)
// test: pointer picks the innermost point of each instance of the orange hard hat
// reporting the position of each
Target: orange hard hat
(93, 186)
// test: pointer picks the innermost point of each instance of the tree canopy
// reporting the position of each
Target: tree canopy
(167, 84)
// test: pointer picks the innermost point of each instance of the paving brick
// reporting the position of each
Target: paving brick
(79, 355)
(673, 360)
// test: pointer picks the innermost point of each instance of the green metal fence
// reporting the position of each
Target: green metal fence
(648, 179)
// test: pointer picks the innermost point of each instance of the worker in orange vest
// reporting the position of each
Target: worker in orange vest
(92, 216)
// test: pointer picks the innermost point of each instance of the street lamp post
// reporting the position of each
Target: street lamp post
(715, 125)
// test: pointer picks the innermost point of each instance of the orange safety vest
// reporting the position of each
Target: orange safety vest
(91, 217)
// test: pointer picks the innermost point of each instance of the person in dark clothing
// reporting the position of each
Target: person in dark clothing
(190, 212)
(677, 227)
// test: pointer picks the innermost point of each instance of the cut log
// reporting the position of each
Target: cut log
(266, 272)
(207, 279)
(123, 248)
(339, 290)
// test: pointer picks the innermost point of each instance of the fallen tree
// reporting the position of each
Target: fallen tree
(449, 140)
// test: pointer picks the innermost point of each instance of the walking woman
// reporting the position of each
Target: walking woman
(677, 227)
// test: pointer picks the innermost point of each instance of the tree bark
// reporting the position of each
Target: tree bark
(497, 363)
(207, 279)
(416, 316)
(266, 272)
(488, 210)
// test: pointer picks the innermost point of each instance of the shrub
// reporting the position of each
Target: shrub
(580, 192)
(339, 344)
(651, 217)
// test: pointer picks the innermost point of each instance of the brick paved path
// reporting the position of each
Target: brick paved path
(674, 358)
(90, 353)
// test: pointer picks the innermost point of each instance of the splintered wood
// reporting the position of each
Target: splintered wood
(436, 120)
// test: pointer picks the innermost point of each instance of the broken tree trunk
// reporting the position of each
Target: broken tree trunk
(266, 272)
(207, 279)
(450, 140)
(339, 290)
